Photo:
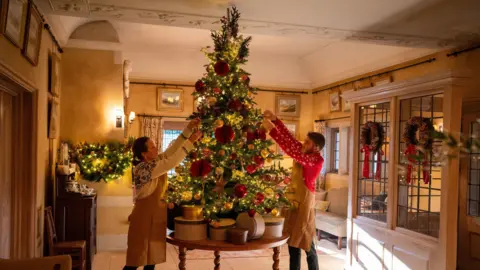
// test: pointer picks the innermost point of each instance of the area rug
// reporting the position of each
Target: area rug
(206, 254)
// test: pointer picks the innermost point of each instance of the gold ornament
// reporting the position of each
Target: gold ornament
(170, 205)
(244, 134)
(248, 106)
(269, 193)
(219, 170)
(221, 152)
(212, 100)
(250, 93)
(251, 146)
(187, 196)
(265, 153)
(197, 196)
(180, 178)
(275, 212)
(240, 144)
(269, 160)
(219, 123)
(228, 205)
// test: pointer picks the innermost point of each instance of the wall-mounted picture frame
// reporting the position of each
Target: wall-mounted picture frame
(3, 15)
(345, 104)
(292, 126)
(16, 16)
(54, 74)
(287, 105)
(52, 121)
(334, 103)
(33, 34)
(169, 99)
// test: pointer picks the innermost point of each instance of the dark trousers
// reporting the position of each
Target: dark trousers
(146, 267)
(296, 258)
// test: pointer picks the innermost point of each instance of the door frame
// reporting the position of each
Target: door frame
(24, 184)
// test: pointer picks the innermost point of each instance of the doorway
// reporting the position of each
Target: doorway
(17, 166)
(468, 252)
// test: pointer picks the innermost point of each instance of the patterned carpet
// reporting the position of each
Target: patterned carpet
(205, 254)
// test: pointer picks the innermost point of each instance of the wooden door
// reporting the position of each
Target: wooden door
(469, 205)
(6, 155)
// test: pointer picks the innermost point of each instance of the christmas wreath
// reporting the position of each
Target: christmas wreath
(372, 140)
(424, 143)
(102, 162)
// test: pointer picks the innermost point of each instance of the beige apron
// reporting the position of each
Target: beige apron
(147, 232)
(300, 219)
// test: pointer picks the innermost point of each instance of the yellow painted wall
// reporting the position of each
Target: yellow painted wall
(37, 76)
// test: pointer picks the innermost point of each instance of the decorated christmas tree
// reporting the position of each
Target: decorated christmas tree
(233, 168)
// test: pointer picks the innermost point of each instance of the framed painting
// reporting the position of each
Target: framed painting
(345, 103)
(33, 34)
(16, 15)
(54, 74)
(169, 99)
(286, 105)
(334, 102)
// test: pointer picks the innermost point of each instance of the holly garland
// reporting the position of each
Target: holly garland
(423, 144)
(371, 141)
(102, 162)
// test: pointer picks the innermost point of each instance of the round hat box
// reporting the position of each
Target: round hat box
(273, 227)
(218, 229)
(255, 225)
(190, 230)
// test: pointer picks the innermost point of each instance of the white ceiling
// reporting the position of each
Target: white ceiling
(311, 34)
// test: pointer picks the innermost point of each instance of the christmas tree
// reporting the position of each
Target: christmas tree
(232, 168)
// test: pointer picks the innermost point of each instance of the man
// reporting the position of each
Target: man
(300, 219)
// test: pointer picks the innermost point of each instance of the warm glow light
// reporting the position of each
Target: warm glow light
(131, 117)
(118, 118)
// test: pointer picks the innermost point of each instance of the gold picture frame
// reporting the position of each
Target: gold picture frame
(288, 105)
(54, 74)
(334, 101)
(33, 34)
(14, 22)
(170, 99)
(346, 106)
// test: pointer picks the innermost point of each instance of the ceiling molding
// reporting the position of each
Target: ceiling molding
(84, 8)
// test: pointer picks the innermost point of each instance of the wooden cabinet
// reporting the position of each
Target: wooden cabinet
(76, 218)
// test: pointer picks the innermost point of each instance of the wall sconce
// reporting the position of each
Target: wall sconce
(118, 118)
(131, 117)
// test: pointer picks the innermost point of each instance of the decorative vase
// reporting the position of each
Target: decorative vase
(192, 212)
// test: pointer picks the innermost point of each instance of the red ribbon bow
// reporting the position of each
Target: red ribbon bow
(366, 159)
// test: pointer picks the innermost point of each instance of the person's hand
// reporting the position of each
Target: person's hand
(194, 123)
(268, 125)
(269, 115)
(195, 136)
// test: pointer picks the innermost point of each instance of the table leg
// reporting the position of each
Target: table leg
(182, 256)
(276, 258)
(217, 260)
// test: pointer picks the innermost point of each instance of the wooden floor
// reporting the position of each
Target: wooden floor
(331, 259)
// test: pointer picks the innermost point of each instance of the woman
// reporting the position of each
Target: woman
(147, 230)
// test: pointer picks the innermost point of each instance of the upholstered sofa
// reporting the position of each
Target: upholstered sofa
(334, 220)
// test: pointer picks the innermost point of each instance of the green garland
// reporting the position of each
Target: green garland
(102, 162)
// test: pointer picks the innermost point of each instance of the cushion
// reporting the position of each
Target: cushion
(338, 198)
(322, 205)
(331, 223)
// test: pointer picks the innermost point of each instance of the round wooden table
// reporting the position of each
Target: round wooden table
(217, 246)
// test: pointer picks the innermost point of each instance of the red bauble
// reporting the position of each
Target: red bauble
(251, 213)
(240, 191)
(206, 152)
(251, 168)
(217, 90)
(233, 156)
(200, 168)
(287, 180)
(221, 68)
(200, 86)
(257, 134)
(268, 210)
(259, 198)
(259, 160)
(235, 105)
(224, 134)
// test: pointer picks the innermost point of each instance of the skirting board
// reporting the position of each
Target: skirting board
(112, 242)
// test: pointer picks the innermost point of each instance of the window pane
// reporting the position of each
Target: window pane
(419, 203)
(335, 149)
(169, 135)
(373, 189)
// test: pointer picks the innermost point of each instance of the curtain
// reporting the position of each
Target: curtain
(152, 128)
(321, 127)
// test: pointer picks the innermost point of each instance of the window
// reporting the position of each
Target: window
(474, 175)
(419, 203)
(335, 149)
(171, 131)
(373, 190)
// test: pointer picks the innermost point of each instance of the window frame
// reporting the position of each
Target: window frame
(334, 150)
